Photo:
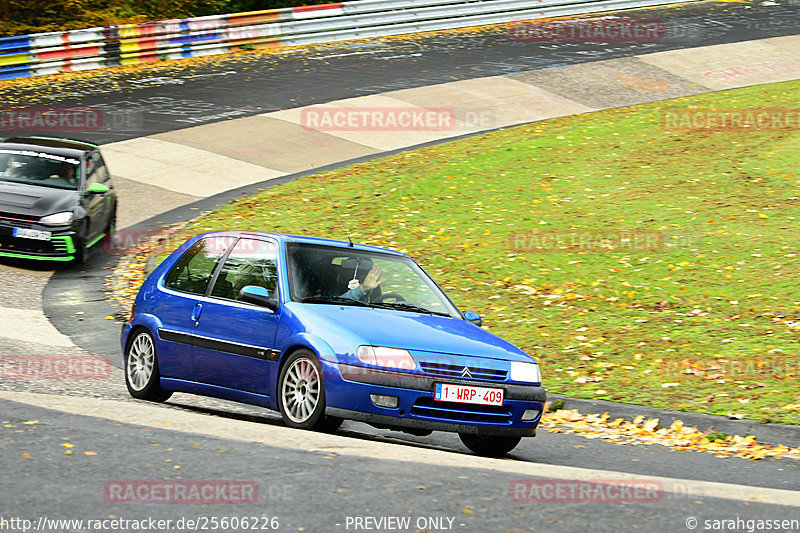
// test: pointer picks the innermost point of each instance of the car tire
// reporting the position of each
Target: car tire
(111, 228)
(489, 445)
(81, 252)
(301, 393)
(141, 368)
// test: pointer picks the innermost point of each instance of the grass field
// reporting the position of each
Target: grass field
(699, 310)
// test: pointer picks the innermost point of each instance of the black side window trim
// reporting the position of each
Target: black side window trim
(218, 268)
(224, 258)
(214, 273)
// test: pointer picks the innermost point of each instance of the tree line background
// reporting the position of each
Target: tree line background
(20, 17)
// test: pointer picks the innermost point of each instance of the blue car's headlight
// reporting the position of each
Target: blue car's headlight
(386, 357)
(525, 372)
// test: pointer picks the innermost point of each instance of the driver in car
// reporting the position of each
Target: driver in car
(358, 290)
(67, 172)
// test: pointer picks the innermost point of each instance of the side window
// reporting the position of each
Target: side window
(91, 166)
(96, 169)
(194, 269)
(101, 173)
(251, 262)
(102, 170)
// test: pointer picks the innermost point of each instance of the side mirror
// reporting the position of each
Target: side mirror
(97, 188)
(256, 295)
(473, 317)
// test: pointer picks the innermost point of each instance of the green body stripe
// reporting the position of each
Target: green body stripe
(63, 244)
(95, 240)
(37, 257)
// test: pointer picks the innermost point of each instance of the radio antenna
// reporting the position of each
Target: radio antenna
(346, 231)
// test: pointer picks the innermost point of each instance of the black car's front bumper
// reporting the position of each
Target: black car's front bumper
(60, 247)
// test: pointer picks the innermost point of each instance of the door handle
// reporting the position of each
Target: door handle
(197, 311)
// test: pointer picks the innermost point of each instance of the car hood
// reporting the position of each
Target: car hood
(408, 330)
(33, 201)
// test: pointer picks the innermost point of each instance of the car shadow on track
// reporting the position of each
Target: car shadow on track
(438, 441)
(30, 264)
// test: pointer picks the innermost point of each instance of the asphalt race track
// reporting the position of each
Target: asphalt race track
(318, 490)
(314, 482)
(200, 92)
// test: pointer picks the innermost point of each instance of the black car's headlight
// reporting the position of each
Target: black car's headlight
(58, 219)
(386, 357)
(525, 372)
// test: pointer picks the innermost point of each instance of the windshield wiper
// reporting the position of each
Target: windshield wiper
(404, 306)
(333, 300)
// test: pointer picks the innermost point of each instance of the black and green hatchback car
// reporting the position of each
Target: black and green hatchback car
(56, 198)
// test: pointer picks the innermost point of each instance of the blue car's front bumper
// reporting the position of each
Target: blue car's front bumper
(348, 389)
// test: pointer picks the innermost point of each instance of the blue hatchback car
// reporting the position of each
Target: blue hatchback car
(322, 331)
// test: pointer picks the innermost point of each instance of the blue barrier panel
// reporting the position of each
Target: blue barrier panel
(192, 39)
(11, 73)
(20, 42)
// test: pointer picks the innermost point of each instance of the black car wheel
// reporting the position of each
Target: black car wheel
(81, 252)
(141, 369)
(489, 445)
(301, 393)
(111, 228)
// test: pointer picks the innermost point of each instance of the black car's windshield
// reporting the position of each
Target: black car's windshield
(36, 168)
(326, 274)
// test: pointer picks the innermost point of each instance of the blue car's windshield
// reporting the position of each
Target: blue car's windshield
(325, 274)
(41, 169)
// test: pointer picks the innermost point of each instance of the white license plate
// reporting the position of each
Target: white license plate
(32, 234)
(447, 392)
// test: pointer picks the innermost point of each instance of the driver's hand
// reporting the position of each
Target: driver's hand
(373, 278)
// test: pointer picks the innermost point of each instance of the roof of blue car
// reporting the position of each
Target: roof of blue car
(284, 238)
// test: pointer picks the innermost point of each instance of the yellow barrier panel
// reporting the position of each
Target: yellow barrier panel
(16, 59)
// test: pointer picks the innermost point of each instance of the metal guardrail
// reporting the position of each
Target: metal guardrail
(92, 48)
